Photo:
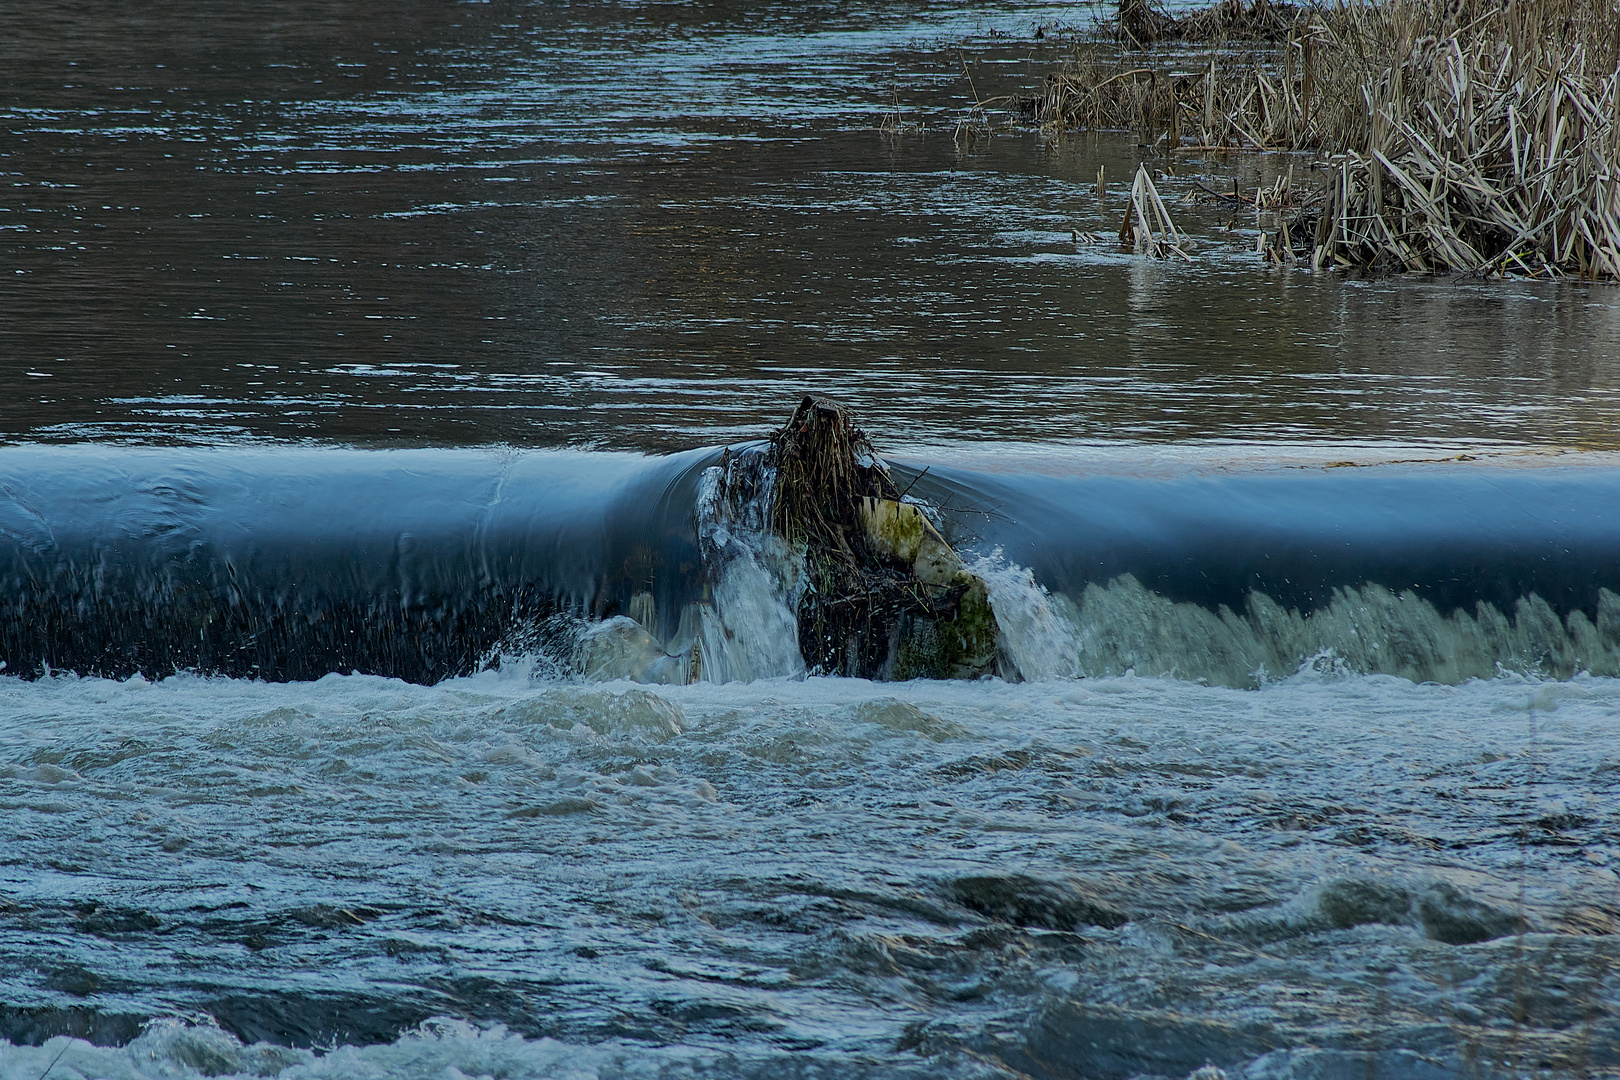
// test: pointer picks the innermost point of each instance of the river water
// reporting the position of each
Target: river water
(360, 358)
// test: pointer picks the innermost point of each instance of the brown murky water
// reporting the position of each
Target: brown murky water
(652, 225)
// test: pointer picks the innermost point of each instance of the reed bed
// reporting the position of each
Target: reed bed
(1466, 136)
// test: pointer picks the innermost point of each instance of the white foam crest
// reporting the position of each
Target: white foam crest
(750, 632)
(438, 1050)
(1037, 634)
(749, 628)
(1370, 630)
(1123, 627)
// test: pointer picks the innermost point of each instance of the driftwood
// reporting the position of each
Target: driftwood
(813, 518)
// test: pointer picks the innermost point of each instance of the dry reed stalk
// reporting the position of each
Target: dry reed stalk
(1485, 146)
(1475, 136)
(1143, 22)
(1272, 205)
(1147, 228)
(974, 124)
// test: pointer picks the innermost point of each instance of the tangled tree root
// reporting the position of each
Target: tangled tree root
(813, 518)
(884, 596)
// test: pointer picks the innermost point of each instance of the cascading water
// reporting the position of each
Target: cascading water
(1121, 627)
(529, 863)
(290, 564)
(1432, 572)
(750, 627)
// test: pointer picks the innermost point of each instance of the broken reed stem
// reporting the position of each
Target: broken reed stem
(1474, 136)
(1157, 237)
(825, 465)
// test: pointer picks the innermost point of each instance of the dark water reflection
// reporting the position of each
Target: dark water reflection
(652, 225)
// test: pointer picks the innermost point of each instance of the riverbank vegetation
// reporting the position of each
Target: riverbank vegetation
(1463, 135)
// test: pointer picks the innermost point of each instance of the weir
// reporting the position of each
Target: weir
(289, 563)
(1433, 570)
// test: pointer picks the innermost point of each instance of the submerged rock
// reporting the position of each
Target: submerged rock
(1452, 916)
(1023, 900)
(621, 648)
(1443, 911)
(1347, 902)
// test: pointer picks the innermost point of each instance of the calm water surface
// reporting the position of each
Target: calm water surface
(652, 225)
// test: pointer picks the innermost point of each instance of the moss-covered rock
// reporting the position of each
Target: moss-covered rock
(956, 637)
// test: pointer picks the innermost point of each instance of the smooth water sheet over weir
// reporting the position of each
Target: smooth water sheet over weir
(1439, 571)
(289, 564)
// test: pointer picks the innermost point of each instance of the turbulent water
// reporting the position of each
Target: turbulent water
(1330, 876)
(367, 367)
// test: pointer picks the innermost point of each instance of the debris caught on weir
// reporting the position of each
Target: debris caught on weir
(815, 562)
(884, 596)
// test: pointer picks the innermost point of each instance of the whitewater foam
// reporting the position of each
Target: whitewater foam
(750, 627)
(818, 874)
(1121, 626)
